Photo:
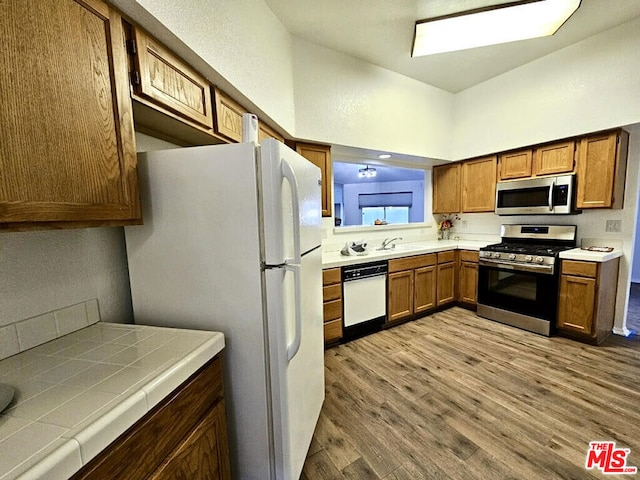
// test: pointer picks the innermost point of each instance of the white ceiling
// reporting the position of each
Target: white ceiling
(381, 32)
(348, 173)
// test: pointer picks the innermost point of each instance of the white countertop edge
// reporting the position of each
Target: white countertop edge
(587, 256)
(336, 259)
(162, 385)
(60, 464)
(78, 450)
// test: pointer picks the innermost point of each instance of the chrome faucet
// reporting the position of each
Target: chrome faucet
(387, 241)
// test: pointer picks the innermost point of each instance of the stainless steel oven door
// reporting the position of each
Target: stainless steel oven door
(523, 298)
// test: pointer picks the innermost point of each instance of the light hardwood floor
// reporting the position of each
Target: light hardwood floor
(455, 396)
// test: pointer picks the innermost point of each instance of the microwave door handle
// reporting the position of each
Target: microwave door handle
(551, 187)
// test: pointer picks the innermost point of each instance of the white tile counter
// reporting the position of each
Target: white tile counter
(78, 393)
(336, 259)
(588, 256)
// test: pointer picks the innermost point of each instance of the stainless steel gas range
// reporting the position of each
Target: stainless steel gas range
(518, 278)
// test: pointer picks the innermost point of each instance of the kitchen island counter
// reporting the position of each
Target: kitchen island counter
(78, 393)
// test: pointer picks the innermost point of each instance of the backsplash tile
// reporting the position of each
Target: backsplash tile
(9, 341)
(35, 331)
(71, 319)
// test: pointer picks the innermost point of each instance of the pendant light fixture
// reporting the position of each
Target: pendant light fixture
(367, 172)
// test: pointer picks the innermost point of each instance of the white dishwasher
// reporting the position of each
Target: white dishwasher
(364, 298)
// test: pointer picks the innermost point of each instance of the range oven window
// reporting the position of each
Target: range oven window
(532, 294)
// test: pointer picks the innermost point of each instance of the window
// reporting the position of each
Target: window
(388, 215)
(394, 196)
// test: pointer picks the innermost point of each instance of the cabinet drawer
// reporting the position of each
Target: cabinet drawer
(332, 292)
(582, 269)
(409, 263)
(332, 275)
(445, 257)
(333, 330)
(468, 256)
(332, 310)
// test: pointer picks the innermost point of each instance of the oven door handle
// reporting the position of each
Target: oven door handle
(544, 269)
(551, 187)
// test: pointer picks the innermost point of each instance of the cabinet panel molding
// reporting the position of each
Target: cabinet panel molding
(555, 158)
(69, 162)
(516, 164)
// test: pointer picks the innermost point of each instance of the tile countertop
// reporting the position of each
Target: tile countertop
(78, 393)
(587, 256)
(336, 259)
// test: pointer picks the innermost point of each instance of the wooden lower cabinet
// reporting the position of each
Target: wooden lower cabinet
(185, 436)
(468, 278)
(424, 288)
(446, 278)
(411, 286)
(332, 304)
(586, 307)
(399, 295)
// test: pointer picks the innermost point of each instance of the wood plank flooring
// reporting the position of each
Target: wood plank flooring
(455, 396)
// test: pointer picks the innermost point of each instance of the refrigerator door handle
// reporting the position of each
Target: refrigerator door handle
(290, 176)
(294, 346)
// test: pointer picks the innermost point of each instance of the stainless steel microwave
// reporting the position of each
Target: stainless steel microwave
(536, 196)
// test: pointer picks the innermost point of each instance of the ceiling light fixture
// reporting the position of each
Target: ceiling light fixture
(491, 25)
(384, 156)
(367, 172)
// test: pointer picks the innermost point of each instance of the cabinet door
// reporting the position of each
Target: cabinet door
(424, 282)
(333, 330)
(67, 143)
(320, 155)
(555, 158)
(446, 283)
(576, 306)
(516, 164)
(400, 295)
(169, 83)
(479, 185)
(596, 170)
(446, 188)
(203, 453)
(265, 131)
(468, 282)
(228, 116)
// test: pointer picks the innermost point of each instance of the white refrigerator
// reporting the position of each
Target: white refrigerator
(231, 243)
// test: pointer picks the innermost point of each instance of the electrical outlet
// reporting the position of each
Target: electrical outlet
(614, 226)
(324, 232)
(464, 224)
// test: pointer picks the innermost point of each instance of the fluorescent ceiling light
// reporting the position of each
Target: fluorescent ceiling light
(490, 26)
(384, 156)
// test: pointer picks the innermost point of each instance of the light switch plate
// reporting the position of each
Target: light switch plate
(614, 226)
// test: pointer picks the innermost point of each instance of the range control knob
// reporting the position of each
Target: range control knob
(528, 258)
(512, 256)
(496, 255)
(539, 259)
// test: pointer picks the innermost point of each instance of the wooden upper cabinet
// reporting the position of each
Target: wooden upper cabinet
(516, 164)
(601, 170)
(228, 116)
(479, 185)
(265, 131)
(68, 156)
(166, 81)
(554, 158)
(446, 188)
(320, 155)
